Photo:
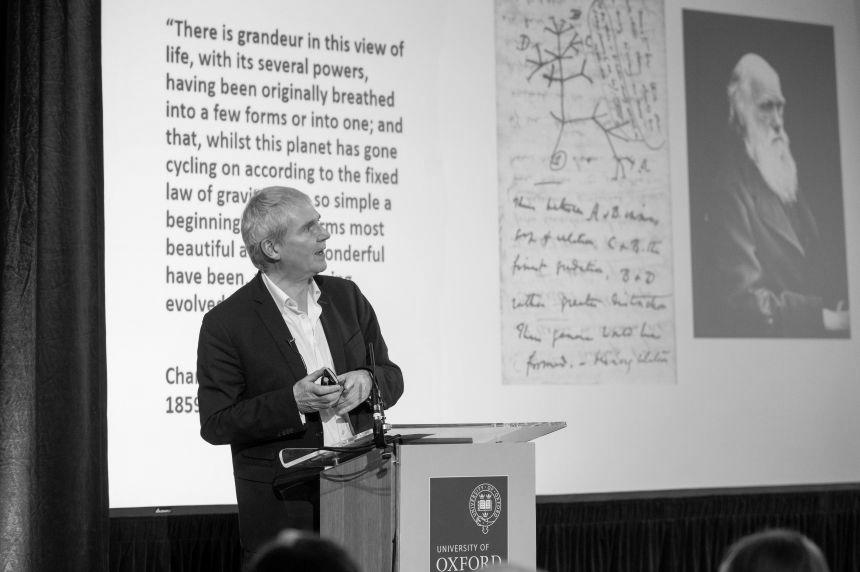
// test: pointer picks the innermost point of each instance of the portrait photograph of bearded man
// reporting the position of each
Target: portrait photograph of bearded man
(767, 218)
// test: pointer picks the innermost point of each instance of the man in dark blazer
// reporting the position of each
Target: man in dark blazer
(769, 269)
(255, 391)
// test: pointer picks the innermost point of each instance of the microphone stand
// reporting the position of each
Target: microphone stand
(376, 404)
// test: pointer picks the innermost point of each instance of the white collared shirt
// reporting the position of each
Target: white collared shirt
(311, 342)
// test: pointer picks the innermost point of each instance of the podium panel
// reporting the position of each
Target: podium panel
(422, 466)
(433, 508)
(357, 508)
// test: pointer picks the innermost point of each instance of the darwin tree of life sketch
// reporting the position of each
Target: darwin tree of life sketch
(584, 204)
(562, 61)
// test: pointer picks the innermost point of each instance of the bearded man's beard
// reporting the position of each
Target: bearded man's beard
(772, 156)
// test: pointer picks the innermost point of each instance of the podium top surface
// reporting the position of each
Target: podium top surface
(475, 432)
(418, 435)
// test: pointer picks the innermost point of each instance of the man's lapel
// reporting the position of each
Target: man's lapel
(333, 333)
(773, 214)
(274, 323)
(769, 206)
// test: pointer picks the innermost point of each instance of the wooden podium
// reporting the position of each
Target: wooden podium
(438, 498)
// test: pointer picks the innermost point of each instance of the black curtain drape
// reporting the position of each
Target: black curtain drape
(657, 534)
(178, 543)
(690, 534)
(53, 453)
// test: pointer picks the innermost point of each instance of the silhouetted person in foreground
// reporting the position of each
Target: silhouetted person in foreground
(299, 551)
(777, 550)
(511, 568)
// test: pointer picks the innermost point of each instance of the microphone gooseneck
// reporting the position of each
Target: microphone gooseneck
(376, 403)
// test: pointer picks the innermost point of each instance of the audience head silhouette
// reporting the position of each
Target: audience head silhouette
(777, 550)
(511, 568)
(300, 551)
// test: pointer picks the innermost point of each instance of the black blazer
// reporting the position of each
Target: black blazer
(247, 365)
(767, 259)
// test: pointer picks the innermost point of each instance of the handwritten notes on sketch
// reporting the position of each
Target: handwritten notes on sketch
(586, 257)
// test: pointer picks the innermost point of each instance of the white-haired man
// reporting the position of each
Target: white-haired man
(768, 262)
(260, 355)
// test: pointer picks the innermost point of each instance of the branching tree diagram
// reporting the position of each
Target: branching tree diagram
(562, 62)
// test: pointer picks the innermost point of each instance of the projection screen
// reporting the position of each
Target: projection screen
(515, 188)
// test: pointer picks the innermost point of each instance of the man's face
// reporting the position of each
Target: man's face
(302, 249)
(764, 109)
(766, 141)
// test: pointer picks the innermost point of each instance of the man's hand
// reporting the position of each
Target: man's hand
(356, 388)
(836, 320)
(311, 397)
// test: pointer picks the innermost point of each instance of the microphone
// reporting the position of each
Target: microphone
(376, 404)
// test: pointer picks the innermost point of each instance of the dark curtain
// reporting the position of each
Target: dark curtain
(179, 543)
(53, 453)
(683, 534)
(690, 534)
